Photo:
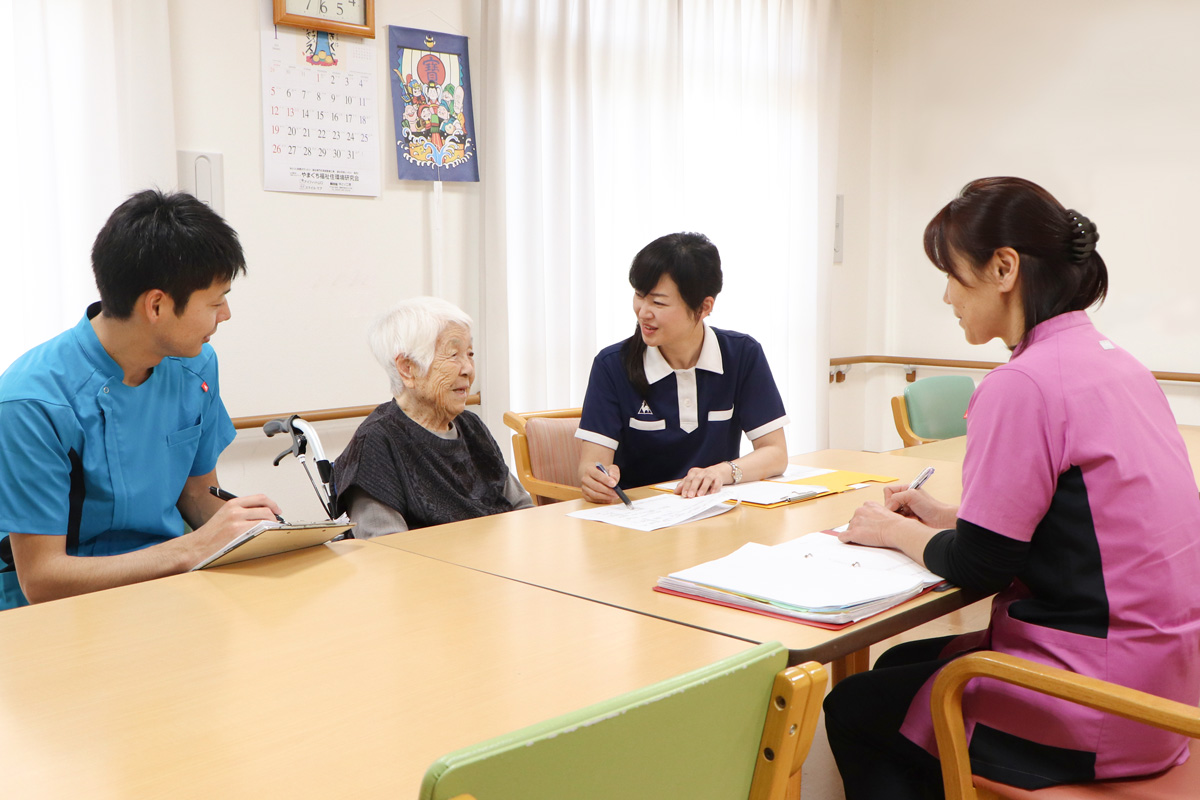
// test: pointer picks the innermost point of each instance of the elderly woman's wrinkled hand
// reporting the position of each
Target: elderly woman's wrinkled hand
(869, 526)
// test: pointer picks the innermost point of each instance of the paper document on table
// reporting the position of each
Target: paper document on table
(810, 578)
(838, 480)
(766, 493)
(831, 549)
(795, 472)
(661, 511)
(759, 493)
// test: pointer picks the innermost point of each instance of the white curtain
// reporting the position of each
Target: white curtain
(609, 123)
(88, 119)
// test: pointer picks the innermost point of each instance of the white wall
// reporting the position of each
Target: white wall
(319, 266)
(1096, 101)
(1092, 99)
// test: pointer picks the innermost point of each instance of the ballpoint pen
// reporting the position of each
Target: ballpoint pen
(221, 494)
(620, 492)
(919, 481)
(916, 484)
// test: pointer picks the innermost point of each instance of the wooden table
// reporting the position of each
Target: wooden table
(941, 450)
(339, 671)
(954, 449)
(619, 566)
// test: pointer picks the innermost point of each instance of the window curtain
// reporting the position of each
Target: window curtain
(609, 123)
(88, 119)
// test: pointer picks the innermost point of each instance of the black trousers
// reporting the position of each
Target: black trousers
(863, 715)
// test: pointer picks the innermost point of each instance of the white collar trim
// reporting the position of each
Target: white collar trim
(657, 367)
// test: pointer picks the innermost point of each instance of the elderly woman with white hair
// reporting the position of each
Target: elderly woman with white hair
(421, 458)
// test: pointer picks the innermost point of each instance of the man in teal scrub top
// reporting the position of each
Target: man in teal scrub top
(110, 432)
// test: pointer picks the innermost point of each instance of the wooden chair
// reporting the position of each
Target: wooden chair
(735, 729)
(547, 453)
(1174, 784)
(932, 408)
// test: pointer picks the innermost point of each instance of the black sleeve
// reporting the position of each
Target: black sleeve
(975, 558)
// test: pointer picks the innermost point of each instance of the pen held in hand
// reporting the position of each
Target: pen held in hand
(919, 481)
(620, 492)
(221, 494)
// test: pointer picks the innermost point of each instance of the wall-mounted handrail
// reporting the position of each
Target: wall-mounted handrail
(910, 367)
(322, 414)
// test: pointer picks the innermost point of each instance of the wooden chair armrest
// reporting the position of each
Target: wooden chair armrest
(517, 420)
(949, 728)
(524, 470)
(903, 426)
(556, 491)
(792, 715)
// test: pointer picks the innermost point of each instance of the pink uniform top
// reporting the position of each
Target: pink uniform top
(1071, 447)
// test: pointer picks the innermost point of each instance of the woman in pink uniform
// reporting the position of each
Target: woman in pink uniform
(1079, 508)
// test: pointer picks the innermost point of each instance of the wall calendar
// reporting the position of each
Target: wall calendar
(320, 112)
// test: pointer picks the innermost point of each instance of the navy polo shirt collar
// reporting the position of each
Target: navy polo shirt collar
(657, 367)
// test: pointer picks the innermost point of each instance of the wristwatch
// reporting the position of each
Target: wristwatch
(737, 472)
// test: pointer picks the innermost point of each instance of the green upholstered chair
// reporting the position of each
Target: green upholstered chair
(710, 734)
(933, 408)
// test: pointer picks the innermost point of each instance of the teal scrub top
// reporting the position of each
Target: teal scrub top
(84, 456)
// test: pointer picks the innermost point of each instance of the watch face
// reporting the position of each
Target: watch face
(352, 12)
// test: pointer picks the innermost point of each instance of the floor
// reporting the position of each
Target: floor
(820, 779)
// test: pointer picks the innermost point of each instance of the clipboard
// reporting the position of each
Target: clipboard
(270, 538)
(778, 492)
(834, 482)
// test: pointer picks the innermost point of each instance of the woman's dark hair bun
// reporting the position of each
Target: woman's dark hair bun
(1083, 236)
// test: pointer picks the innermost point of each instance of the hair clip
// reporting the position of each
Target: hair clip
(1083, 236)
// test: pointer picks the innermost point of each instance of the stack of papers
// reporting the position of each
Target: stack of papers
(661, 511)
(795, 484)
(815, 578)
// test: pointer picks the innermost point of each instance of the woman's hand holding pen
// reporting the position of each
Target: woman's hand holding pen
(598, 485)
(869, 526)
(907, 520)
(920, 505)
(875, 526)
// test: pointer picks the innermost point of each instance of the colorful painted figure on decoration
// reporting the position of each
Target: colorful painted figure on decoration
(431, 103)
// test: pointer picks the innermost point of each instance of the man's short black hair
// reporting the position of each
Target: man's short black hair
(171, 242)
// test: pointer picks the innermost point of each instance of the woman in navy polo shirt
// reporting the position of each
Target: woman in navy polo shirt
(673, 400)
(1079, 509)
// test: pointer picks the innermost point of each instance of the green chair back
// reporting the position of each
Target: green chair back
(693, 736)
(937, 406)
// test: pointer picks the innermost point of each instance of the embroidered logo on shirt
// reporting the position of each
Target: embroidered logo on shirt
(1107, 345)
(204, 385)
(645, 409)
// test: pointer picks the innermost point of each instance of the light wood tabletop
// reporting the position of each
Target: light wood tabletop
(941, 450)
(337, 671)
(954, 449)
(618, 566)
